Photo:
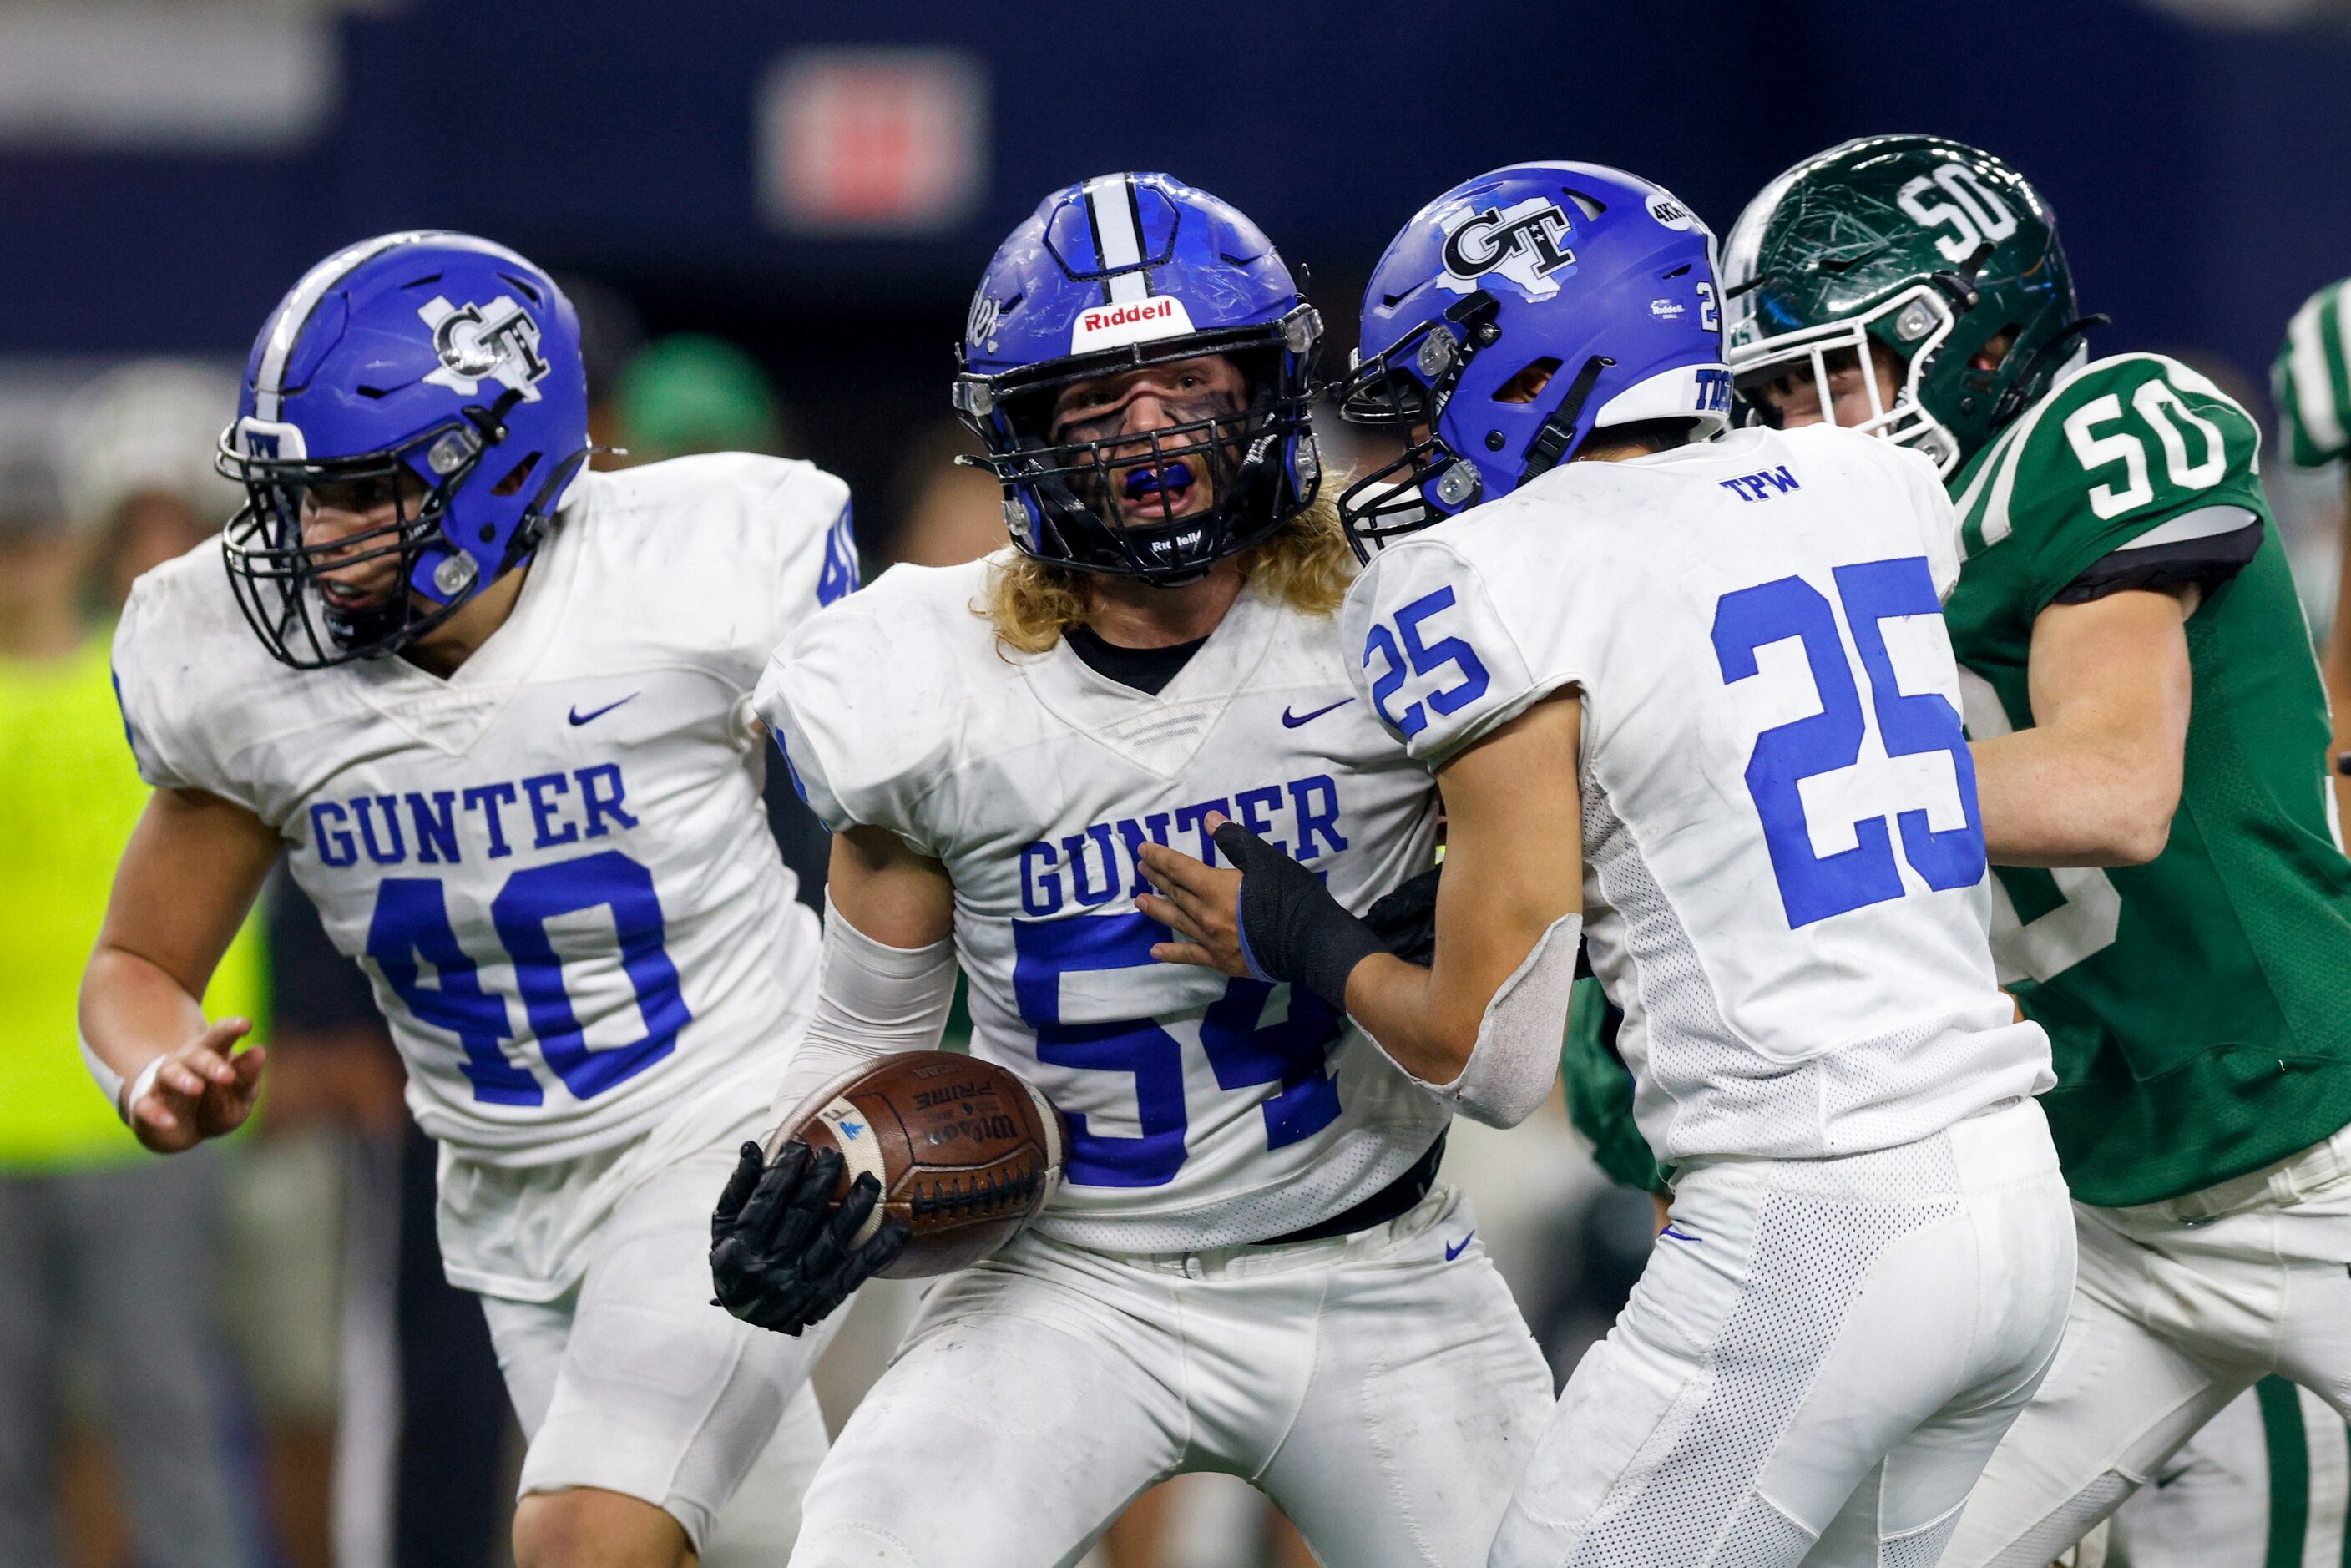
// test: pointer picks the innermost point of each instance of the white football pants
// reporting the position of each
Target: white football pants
(634, 1382)
(1816, 1363)
(2182, 1306)
(1382, 1387)
(2266, 1481)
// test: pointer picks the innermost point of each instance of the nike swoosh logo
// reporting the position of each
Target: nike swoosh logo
(1452, 1249)
(580, 719)
(1293, 720)
(1681, 1235)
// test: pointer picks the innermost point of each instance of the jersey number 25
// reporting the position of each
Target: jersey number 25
(1814, 886)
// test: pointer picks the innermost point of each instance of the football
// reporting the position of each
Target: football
(966, 1152)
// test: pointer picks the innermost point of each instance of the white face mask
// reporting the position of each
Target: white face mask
(1920, 317)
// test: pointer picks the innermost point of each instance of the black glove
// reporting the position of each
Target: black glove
(777, 1259)
(1405, 920)
(1292, 928)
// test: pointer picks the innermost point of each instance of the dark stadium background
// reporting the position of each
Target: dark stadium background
(2200, 171)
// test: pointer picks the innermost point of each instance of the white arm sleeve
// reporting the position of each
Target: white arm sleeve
(1519, 1040)
(871, 1000)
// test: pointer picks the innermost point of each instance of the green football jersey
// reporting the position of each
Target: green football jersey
(2199, 1005)
(1600, 1089)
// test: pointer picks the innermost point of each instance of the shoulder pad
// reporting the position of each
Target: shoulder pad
(186, 671)
(865, 697)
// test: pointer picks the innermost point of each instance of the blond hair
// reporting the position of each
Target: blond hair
(1304, 564)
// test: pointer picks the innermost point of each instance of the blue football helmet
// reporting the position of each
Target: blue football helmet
(1513, 316)
(435, 369)
(1114, 275)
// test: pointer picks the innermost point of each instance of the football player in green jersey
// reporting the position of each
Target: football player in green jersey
(2150, 738)
(2312, 383)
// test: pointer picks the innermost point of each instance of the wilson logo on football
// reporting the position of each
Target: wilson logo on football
(1524, 243)
(1135, 322)
(498, 341)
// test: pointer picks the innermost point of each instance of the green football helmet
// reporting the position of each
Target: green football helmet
(1925, 245)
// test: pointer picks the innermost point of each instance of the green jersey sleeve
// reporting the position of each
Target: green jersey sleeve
(2137, 451)
(1599, 1091)
(2311, 378)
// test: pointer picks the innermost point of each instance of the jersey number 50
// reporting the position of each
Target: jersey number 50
(411, 921)
(1814, 886)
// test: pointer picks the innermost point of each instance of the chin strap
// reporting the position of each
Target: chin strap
(2048, 357)
(1959, 285)
(1557, 436)
(533, 528)
(491, 421)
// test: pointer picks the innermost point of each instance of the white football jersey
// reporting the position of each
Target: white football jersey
(555, 866)
(1785, 886)
(1204, 1111)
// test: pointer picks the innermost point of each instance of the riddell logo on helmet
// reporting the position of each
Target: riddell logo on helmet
(1131, 321)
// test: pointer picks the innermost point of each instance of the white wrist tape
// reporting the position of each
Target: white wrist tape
(120, 1095)
(871, 1000)
(138, 1090)
(110, 1082)
(1516, 1060)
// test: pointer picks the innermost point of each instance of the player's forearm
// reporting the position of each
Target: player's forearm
(132, 1010)
(2095, 781)
(873, 999)
(1484, 1021)
(1490, 1045)
(2052, 798)
(1426, 1032)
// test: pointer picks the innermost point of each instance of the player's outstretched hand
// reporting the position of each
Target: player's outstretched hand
(200, 1091)
(1269, 917)
(780, 1251)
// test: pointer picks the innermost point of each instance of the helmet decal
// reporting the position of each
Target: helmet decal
(1524, 243)
(499, 340)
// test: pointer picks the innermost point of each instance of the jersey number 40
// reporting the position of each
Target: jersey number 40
(1787, 756)
(411, 921)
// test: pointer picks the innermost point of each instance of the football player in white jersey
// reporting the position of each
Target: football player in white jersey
(1694, 696)
(1249, 1266)
(495, 712)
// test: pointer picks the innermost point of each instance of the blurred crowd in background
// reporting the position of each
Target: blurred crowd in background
(769, 219)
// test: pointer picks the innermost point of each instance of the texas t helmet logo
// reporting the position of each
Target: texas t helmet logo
(498, 341)
(1524, 242)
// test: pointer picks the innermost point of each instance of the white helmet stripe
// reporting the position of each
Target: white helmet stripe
(269, 376)
(1118, 230)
